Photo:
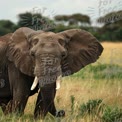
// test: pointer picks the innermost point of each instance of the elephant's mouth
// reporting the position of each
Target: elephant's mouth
(48, 71)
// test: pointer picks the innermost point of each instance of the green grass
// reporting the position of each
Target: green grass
(93, 85)
(101, 71)
(83, 95)
(94, 94)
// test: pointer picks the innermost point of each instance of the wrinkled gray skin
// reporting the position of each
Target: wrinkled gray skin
(48, 57)
(28, 54)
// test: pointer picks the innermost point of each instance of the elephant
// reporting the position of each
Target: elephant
(35, 61)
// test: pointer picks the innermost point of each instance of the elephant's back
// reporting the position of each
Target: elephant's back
(3, 47)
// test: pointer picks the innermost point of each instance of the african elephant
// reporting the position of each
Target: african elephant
(34, 61)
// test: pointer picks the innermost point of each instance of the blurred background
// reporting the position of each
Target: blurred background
(103, 18)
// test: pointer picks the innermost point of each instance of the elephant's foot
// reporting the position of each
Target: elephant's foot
(39, 115)
(8, 108)
(3, 107)
(60, 113)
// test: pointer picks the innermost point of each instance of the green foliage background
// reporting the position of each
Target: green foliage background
(111, 29)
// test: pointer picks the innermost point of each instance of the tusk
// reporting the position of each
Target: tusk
(58, 82)
(34, 83)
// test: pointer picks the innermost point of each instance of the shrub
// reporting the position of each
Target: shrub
(93, 107)
(100, 71)
(112, 114)
(97, 109)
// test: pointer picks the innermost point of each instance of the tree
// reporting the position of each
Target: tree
(35, 21)
(61, 18)
(74, 19)
(80, 18)
(6, 26)
(112, 28)
(111, 17)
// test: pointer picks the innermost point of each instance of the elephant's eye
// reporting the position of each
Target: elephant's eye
(34, 41)
(61, 42)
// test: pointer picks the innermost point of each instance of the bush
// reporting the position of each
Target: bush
(6, 26)
(104, 113)
(112, 114)
(91, 107)
(101, 71)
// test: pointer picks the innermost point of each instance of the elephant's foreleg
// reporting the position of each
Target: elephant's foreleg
(20, 87)
(19, 103)
(20, 96)
(39, 106)
(5, 105)
(8, 108)
(52, 109)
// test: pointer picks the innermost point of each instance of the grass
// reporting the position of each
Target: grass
(101, 71)
(99, 81)
(112, 53)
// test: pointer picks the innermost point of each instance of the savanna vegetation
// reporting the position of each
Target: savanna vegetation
(111, 29)
(94, 94)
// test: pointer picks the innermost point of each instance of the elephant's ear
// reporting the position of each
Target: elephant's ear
(18, 51)
(83, 49)
(3, 48)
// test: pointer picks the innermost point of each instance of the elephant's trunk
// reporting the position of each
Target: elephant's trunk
(47, 71)
(45, 101)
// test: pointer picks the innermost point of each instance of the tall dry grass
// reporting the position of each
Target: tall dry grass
(112, 53)
(109, 90)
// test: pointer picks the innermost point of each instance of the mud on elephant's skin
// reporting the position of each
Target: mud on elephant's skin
(26, 55)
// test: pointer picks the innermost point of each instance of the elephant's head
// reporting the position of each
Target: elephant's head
(48, 55)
